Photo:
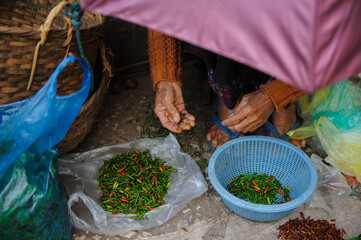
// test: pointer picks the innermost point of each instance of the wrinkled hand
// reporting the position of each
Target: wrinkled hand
(170, 108)
(251, 112)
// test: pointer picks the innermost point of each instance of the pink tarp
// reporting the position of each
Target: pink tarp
(306, 43)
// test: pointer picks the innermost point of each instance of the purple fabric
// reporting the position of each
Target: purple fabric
(306, 43)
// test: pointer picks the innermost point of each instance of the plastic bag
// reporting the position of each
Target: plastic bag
(335, 118)
(32, 203)
(332, 187)
(79, 175)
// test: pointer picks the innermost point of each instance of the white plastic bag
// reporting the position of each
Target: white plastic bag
(79, 176)
(332, 187)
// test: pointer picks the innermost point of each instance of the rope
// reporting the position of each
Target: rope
(75, 16)
(44, 29)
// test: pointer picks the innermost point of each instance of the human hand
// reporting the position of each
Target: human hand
(170, 108)
(251, 112)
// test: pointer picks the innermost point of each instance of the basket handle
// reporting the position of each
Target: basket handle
(44, 29)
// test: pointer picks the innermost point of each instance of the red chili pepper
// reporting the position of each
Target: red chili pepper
(270, 179)
(150, 194)
(125, 166)
(289, 199)
(147, 206)
(103, 187)
(136, 152)
(102, 194)
(257, 190)
(247, 186)
(161, 169)
(265, 190)
(254, 183)
(141, 167)
(110, 195)
(135, 159)
(119, 171)
(184, 229)
(140, 178)
(151, 208)
(281, 193)
(124, 200)
(152, 182)
(162, 204)
(158, 201)
(154, 198)
(114, 213)
(126, 189)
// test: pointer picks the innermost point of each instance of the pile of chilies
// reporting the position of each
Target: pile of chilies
(307, 228)
(133, 183)
(259, 188)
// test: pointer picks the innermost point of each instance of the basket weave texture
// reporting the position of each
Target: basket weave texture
(21, 28)
(260, 154)
(25, 23)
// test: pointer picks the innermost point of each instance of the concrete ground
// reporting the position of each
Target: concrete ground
(207, 217)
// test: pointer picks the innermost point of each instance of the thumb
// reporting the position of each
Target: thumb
(172, 112)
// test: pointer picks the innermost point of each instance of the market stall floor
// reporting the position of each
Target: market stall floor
(207, 217)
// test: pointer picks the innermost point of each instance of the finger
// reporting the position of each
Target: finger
(171, 110)
(190, 122)
(303, 142)
(186, 125)
(189, 117)
(215, 142)
(172, 127)
(238, 115)
(240, 127)
(254, 126)
(166, 121)
(209, 136)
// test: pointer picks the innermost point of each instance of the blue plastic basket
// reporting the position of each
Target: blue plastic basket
(259, 154)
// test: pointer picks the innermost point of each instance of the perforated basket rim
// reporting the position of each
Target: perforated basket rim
(260, 207)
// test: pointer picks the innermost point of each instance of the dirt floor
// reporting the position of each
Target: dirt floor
(122, 118)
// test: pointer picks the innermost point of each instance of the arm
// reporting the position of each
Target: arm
(255, 108)
(165, 56)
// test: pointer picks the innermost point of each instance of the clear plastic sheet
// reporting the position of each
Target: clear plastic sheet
(79, 171)
(332, 187)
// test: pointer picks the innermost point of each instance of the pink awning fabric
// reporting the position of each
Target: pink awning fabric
(306, 43)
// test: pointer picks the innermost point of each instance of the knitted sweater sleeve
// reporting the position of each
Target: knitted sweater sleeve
(165, 57)
(282, 93)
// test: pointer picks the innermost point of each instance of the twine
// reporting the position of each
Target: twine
(44, 29)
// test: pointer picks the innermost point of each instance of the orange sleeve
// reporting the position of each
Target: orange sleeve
(165, 57)
(282, 93)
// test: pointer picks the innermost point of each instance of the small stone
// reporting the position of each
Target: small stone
(147, 234)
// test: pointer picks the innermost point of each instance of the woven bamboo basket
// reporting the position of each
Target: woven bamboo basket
(26, 24)
(39, 29)
(89, 111)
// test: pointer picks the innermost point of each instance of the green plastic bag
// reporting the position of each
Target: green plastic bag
(334, 116)
(37, 209)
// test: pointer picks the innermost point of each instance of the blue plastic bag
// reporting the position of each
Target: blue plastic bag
(32, 202)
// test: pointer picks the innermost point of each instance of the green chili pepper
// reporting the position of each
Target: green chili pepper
(116, 176)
